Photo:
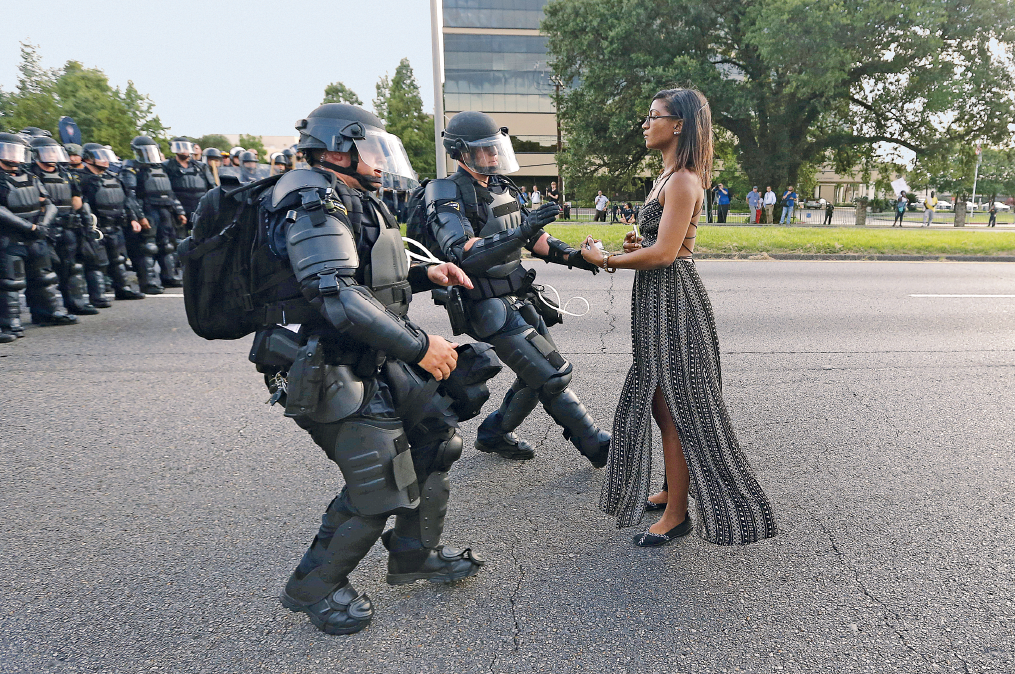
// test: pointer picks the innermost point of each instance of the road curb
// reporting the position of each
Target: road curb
(849, 257)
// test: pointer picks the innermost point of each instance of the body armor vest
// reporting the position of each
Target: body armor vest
(502, 214)
(188, 183)
(109, 197)
(154, 187)
(384, 267)
(23, 195)
(59, 189)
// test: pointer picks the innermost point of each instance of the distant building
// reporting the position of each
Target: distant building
(495, 62)
(272, 144)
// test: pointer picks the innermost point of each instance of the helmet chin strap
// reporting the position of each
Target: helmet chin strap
(369, 183)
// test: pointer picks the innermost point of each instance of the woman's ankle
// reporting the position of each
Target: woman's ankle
(659, 498)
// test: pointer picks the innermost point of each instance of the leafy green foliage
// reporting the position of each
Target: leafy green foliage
(400, 105)
(254, 143)
(795, 82)
(214, 140)
(104, 114)
(336, 92)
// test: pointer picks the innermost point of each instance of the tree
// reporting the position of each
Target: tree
(254, 143)
(336, 92)
(400, 105)
(860, 73)
(214, 140)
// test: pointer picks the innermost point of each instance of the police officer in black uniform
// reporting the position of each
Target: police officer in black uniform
(25, 262)
(188, 177)
(475, 221)
(102, 191)
(146, 182)
(69, 232)
(374, 391)
(212, 162)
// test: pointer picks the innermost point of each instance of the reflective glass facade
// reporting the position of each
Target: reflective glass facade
(496, 73)
(493, 13)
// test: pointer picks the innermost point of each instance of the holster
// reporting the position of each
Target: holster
(545, 307)
(306, 379)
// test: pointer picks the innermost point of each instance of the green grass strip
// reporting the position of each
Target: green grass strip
(802, 240)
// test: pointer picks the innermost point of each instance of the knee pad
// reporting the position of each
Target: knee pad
(168, 247)
(150, 248)
(12, 270)
(377, 465)
(448, 452)
(13, 285)
(532, 357)
(557, 383)
(77, 268)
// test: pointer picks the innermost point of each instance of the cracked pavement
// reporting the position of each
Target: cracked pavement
(153, 505)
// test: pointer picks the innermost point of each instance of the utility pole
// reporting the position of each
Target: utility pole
(560, 144)
(438, 87)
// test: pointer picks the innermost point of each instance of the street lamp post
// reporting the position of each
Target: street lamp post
(560, 144)
(438, 88)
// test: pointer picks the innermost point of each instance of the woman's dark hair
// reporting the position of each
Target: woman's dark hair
(694, 147)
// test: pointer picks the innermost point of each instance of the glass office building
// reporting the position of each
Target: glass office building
(495, 62)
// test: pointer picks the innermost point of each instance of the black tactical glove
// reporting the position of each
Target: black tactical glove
(543, 216)
(40, 232)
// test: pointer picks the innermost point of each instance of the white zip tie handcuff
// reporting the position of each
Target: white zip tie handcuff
(560, 309)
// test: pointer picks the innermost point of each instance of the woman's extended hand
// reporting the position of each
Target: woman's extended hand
(591, 252)
(632, 242)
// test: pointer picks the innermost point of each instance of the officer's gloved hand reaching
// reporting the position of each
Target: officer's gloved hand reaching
(543, 216)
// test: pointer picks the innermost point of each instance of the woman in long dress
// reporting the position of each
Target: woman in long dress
(676, 376)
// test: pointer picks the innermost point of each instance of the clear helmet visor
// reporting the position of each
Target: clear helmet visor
(52, 154)
(493, 155)
(103, 155)
(181, 147)
(13, 153)
(148, 154)
(384, 151)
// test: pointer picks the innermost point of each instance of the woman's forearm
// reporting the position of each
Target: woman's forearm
(641, 259)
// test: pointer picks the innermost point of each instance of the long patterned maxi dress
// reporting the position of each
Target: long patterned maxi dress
(676, 349)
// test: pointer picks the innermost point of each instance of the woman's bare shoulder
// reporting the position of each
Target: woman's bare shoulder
(684, 184)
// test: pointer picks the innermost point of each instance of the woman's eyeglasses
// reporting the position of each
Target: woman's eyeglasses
(650, 117)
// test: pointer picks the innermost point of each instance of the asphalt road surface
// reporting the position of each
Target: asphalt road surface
(152, 505)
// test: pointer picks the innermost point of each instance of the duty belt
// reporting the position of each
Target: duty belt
(296, 310)
(514, 283)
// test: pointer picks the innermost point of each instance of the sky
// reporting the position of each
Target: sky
(222, 66)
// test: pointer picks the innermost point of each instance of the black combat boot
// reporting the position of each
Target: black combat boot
(409, 561)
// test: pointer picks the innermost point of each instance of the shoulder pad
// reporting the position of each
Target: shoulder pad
(298, 179)
(441, 189)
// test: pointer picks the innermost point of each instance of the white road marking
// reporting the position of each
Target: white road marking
(962, 295)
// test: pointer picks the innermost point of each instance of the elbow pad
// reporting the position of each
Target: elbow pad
(352, 310)
(444, 214)
(49, 215)
(561, 253)
(14, 223)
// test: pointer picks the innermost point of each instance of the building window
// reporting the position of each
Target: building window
(496, 73)
(493, 13)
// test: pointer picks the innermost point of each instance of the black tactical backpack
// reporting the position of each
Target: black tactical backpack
(218, 288)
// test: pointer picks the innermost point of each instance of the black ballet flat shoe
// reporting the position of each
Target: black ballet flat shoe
(650, 540)
(653, 507)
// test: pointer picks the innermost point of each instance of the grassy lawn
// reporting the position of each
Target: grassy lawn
(754, 240)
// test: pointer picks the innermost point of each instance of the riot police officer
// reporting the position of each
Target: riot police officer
(374, 391)
(249, 167)
(474, 219)
(145, 180)
(212, 164)
(280, 163)
(25, 263)
(104, 194)
(69, 232)
(187, 176)
(74, 157)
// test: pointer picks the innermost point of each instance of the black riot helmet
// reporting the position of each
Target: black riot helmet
(47, 151)
(72, 149)
(99, 155)
(13, 150)
(340, 127)
(35, 132)
(474, 139)
(146, 150)
(180, 146)
(212, 153)
(282, 159)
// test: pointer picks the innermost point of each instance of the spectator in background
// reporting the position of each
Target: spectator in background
(768, 201)
(722, 200)
(523, 198)
(929, 207)
(567, 211)
(829, 209)
(613, 211)
(789, 198)
(900, 208)
(195, 152)
(754, 204)
(992, 222)
(552, 194)
(536, 197)
(627, 213)
(601, 203)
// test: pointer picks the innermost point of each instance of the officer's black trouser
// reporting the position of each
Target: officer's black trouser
(142, 249)
(163, 223)
(72, 266)
(28, 266)
(114, 243)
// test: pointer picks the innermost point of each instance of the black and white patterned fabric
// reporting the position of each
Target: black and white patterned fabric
(676, 349)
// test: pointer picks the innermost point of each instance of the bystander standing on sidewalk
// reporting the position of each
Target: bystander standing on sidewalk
(537, 197)
(553, 194)
(992, 222)
(754, 204)
(789, 198)
(722, 199)
(768, 201)
(523, 197)
(601, 203)
(829, 209)
(900, 208)
(929, 206)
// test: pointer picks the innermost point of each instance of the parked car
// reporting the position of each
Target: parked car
(944, 205)
(1002, 207)
(815, 203)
